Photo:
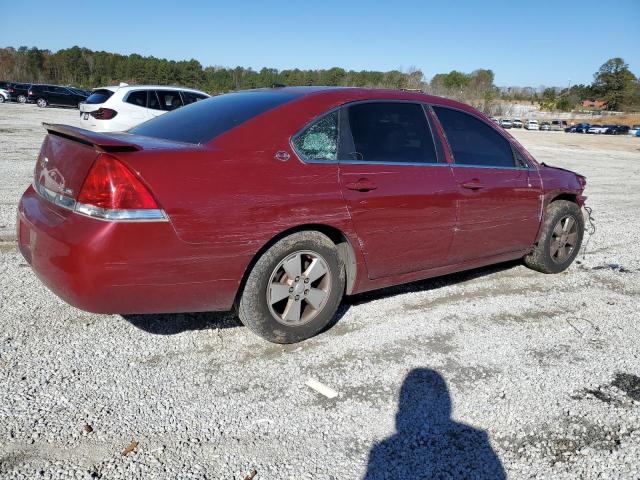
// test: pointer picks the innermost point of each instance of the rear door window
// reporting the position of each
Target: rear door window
(169, 99)
(472, 141)
(390, 132)
(99, 96)
(138, 98)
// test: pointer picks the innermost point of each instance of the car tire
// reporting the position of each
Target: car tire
(1, 99)
(287, 269)
(560, 239)
(41, 102)
(22, 99)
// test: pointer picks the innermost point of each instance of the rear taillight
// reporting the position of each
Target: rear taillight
(103, 114)
(10, 90)
(113, 192)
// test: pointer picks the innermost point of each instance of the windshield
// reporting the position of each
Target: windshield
(202, 121)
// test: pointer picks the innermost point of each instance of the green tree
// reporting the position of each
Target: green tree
(615, 83)
(564, 103)
(549, 99)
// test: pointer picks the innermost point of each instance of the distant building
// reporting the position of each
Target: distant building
(593, 103)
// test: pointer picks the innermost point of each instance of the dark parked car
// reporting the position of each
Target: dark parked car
(19, 92)
(617, 130)
(80, 91)
(578, 128)
(280, 201)
(43, 95)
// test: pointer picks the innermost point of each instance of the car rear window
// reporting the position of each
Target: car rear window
(99, 96)
(202, 121)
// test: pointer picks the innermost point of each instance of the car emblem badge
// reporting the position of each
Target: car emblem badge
(282, 156)
(44, 162)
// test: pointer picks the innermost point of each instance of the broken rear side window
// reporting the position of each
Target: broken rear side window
(320, 140)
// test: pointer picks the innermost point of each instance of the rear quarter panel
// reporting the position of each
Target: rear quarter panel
(235, 196)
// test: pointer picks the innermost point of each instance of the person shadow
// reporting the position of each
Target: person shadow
(428, 444)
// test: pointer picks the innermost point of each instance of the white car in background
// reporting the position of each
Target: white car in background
(116, 109)
(598, 129)
(531, 125)
(4, 95)
(516, 123)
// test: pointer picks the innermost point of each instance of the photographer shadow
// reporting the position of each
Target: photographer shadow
(428, 444)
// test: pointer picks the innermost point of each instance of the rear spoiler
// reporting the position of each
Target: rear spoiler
(102, 141)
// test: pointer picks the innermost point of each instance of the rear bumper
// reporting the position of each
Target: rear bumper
(120, 267)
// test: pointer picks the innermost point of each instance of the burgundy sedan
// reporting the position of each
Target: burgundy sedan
(280, 201)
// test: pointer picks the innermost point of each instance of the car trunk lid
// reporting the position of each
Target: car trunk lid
(68, 153)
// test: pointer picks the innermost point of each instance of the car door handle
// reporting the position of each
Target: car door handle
(362, 185)
(472, 185)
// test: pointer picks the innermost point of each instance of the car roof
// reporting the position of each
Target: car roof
(351, 94)
(116, 88)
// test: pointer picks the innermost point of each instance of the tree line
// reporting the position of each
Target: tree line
(613, 82)
(82, 67)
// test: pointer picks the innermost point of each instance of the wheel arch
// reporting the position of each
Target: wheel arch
(569, 196)
(337, 236)
(554, 197)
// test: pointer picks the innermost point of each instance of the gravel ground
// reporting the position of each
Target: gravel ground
(502, 370)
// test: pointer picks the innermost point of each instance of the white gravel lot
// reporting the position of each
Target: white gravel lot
(541, 373)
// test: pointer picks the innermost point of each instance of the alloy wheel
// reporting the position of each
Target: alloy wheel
(563, 239)
(299, 288)
(22, 99)
(42, 103)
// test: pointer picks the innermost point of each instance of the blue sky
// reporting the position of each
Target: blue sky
(525, 43)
